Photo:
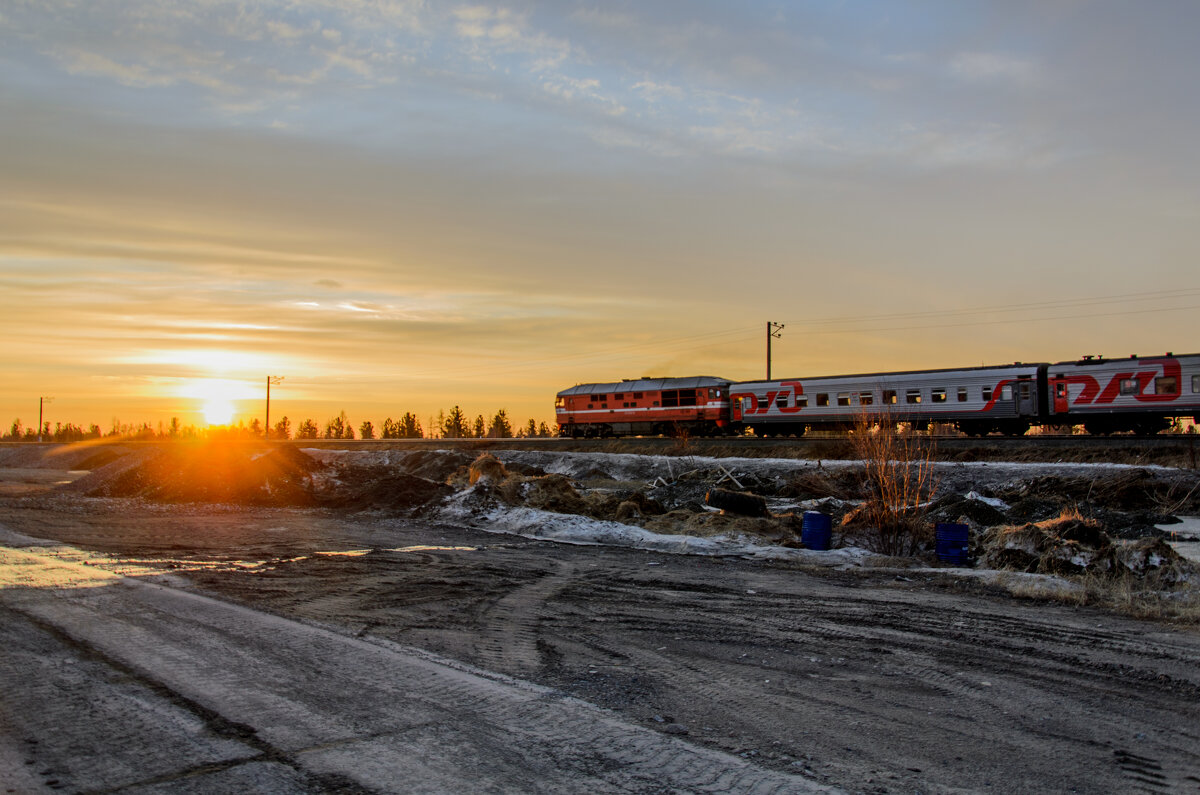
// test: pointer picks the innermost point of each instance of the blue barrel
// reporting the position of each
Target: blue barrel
(952, 544)
(816, 530)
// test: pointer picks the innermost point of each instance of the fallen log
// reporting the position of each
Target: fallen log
(739, 502)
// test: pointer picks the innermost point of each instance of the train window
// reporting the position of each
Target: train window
(603, 405)
(558, 403)
(670, 397)
(889, 397)
(962, 394)
(1195, 384)
(589, 405)
(938, 394)
(866, 398)
(1006, 392)
(619, 396)
(687, 397)
(1130, 386)
(1166, 385)
(912, 396)
(656, 402)
(822, 399)
(781, 402)
(987, 393)
(801, 400)
(637, 395)
(843, 398)
(599, 398)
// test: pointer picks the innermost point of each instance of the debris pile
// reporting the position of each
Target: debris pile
(1072, 544)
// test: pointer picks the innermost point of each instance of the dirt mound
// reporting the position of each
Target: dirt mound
(1136, 490)
(437, 465)
(845, 484)
(211, 472)
(375, 488)
(84, 455)
(1072, 544)
(955, 508)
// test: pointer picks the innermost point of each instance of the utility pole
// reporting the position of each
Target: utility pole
(271, 379)
(41, 403)
(773, 330)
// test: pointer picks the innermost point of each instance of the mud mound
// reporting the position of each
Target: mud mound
(85, 455)
(212, 472)
(1074, 545)
(375, 488)
(954, 508)
(1136, 490)
(844, 484)
(550, 493)
(437, 465)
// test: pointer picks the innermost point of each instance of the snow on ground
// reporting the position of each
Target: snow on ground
(567, 528)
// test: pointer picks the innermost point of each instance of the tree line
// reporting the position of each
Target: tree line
(454, 424)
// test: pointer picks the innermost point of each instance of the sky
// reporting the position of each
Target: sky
(405, 206)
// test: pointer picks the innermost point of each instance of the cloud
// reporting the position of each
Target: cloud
(992, 67)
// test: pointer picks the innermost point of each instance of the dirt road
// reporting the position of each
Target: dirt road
(871, 681)
(113, 683)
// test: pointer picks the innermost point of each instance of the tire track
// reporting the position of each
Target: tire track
(369, 710)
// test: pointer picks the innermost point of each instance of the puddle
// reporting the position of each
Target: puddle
(426, 548)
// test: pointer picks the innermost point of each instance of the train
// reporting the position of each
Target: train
(1139, 394)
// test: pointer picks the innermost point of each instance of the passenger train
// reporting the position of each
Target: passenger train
(1139, 394)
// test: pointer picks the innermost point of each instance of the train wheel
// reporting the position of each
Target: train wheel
(1015, 428)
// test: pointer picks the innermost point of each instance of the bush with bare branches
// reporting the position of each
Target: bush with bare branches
(899, 483)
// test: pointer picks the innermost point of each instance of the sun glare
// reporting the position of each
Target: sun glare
(218, 411)
(218, 397)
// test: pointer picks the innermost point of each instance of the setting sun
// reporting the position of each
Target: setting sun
(218, 411)
(218, 397)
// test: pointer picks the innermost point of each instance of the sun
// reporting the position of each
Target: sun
(218, 398)
(218, 411)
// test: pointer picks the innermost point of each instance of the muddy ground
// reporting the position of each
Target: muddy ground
(872, 678)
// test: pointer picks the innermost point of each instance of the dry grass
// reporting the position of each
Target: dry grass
(1127, 595)
(1144, 597)
(899, 481)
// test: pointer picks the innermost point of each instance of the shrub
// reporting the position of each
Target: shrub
(899, 480)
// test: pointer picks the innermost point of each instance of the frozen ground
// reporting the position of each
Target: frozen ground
(154, 646)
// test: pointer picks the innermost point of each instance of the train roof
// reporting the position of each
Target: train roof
(646, 385)
(1030, 366)
(1088, 361)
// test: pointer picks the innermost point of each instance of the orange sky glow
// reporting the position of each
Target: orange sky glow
(407, 206)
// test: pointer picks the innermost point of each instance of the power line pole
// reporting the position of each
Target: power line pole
(41, 402)
(271, 379)
(773, 330)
